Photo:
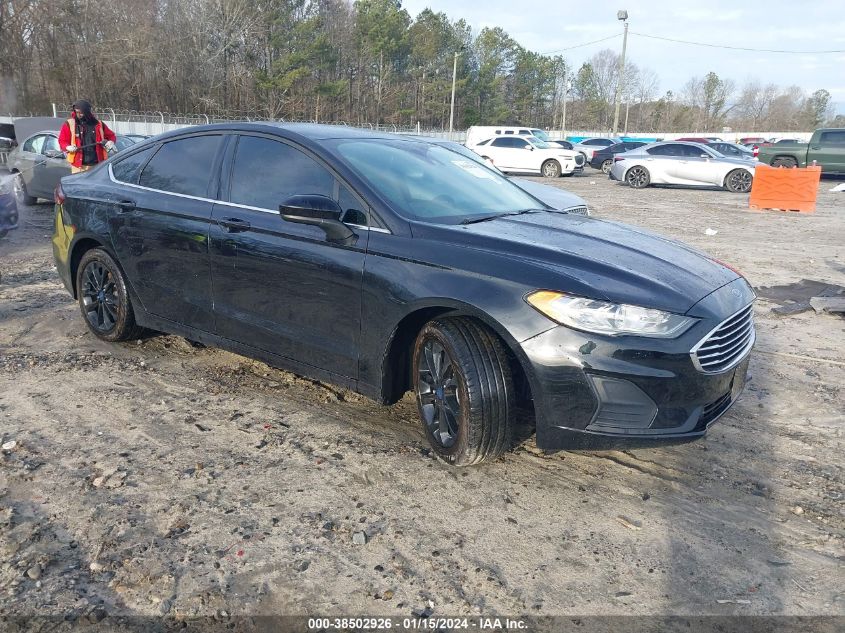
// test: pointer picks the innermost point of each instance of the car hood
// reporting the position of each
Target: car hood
(603, 260)
(553, 196)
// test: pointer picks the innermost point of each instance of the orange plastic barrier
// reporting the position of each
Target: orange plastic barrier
(788, 189)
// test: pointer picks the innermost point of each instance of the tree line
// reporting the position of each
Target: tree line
(366, 61)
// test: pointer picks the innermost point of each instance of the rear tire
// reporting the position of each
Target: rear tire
(104, 298)
(638, 177)
(21, 196)
(464, 390)
(551, 169)
(784, 161)
(606, 165)
(739, 181)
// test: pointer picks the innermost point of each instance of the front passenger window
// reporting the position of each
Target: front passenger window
(50, 143)
(267, 172)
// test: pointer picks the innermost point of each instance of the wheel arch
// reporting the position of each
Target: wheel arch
(789, 156)
(81, 246)
(396, 358)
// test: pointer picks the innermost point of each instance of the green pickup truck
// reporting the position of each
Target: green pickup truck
(826, 148)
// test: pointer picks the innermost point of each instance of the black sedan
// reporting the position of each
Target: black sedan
(603, 158)
(386, 264)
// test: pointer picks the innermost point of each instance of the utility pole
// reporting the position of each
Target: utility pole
(620, 15)
(566, 86)
(454, 76)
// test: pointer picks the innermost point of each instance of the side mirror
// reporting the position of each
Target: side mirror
(319, 211)
(54, 153)
(705, 155)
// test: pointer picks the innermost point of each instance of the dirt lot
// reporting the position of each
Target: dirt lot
(160, 478)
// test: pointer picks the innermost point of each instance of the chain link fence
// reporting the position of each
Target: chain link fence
(150, 123)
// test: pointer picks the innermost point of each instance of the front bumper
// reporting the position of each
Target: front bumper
(594, 391)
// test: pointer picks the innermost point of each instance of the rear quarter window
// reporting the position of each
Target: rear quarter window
(182, 166)
(128, 169)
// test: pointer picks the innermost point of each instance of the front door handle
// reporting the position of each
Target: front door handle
(234, 225)
(126, 205)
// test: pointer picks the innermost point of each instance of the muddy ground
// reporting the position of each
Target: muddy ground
(156, 477)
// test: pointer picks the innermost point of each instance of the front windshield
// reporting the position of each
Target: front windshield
(539, 144)
(423, 181)
(540, 134)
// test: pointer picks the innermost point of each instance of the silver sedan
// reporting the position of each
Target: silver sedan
(682, 163)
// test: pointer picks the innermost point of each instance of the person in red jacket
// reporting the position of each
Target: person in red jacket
(86, 140)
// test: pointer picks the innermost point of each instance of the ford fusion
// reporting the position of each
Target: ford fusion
(386, 264)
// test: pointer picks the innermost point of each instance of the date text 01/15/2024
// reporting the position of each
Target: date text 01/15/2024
(416, 624)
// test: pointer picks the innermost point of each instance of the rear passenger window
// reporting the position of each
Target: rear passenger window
(267, 172)
(182, 166)
(127, 170)
(34, 144)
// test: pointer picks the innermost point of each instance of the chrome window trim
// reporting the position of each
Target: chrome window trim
(229, 204)
(169, 193)
(741, 357)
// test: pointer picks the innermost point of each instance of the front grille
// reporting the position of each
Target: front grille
(579, 159)
(581, 210)
(725, 346)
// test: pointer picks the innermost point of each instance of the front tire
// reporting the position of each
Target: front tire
(739, 181)
(638, 177)
(21, 195)
(104, 298)
(550, 169)
(464, 389)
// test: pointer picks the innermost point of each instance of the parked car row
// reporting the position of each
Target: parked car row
(387, 264)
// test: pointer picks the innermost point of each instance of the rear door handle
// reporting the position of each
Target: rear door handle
(234, 225)
(126, 205)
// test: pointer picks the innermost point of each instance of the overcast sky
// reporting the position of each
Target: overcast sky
(796, 25)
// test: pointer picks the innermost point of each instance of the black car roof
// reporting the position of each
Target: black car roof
(311, 131)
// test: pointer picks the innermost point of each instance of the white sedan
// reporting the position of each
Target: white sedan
(682, 163)
(529, 155)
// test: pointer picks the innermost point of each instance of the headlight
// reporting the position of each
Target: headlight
(608, 318)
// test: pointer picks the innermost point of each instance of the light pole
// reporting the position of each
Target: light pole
(620, 15)
(566, 87)
(454, 76)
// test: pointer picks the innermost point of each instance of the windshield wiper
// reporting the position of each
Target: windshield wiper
(484, 218)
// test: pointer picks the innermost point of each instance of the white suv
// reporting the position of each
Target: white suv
(526, 154)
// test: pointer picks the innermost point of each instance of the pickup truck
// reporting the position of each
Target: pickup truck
(826, 147)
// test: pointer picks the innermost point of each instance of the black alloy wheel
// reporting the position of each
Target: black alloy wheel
(464, 390)
(439, 393)
(739, 181)
(104, 299)
(638, 177)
